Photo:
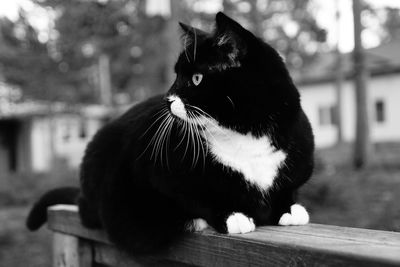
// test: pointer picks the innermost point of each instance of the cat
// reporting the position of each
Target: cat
(227, 146)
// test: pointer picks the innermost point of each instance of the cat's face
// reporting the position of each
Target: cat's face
(230, 77)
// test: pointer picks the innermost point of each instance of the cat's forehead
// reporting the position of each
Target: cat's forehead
(206, 56)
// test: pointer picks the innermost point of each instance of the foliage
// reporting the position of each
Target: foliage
(66, 66)
(118, 29)
(23, 58)
(391, 23)
(289, 26)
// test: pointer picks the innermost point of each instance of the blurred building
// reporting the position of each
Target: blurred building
(317, 85)
(36, 137)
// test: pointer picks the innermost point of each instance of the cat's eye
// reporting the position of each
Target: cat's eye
(196, 78)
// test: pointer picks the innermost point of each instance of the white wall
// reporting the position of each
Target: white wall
(71, 149)
(40, 140)
(313, 97)
(386, 88)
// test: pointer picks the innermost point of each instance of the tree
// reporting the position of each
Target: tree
(135, 45)
(391, 23)
(339, 79)
(91, 33)
(362, 145)
(24, 59)
(289, 26)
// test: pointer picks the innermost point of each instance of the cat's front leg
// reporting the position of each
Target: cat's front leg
(196, 225)
(286, 210)
(298, 215)
(238, 223)
(233, 223)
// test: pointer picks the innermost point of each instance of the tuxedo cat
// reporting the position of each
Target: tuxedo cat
(227, 146)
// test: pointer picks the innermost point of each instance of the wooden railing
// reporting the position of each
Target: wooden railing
(309, 245)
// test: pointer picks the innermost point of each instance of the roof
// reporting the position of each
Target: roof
(27, 109)
(383, 59)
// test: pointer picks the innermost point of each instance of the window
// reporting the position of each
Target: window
(67, 132)
(83, 129)
(380, 111)
(326, 115)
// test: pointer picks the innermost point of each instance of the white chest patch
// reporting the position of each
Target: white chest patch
(255, 158)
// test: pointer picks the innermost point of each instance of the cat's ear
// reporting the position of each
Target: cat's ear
(230, 35)
(189, 34)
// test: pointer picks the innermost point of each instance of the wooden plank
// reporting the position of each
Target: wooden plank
(346, 233)
(268, 246)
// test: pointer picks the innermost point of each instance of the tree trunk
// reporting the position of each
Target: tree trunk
(362, 144)
(256, 19)
(105, 80)
(172, 38)
(338, 80)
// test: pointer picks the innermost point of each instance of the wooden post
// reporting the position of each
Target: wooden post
(71, 251)
(362, 145)
(65, 250)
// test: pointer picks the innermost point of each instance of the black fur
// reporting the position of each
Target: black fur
(143, 199)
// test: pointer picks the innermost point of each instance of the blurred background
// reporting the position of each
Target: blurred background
(67, 67)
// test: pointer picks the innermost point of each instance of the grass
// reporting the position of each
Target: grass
(18, 246)
(337, 194)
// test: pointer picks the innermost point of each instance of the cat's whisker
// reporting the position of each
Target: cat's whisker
(165, 142)
(204, 150)
(160, 146)
(181, 132)
(161, 113)
(195, 45)
(205, 116)
(163, 109)
(193, 142)
(156, 138)
(163, 135)
(163, 116)
(230, 100)
(211, 135)
(208, 120)
(187, 140)
(168, 138)
(197, 137)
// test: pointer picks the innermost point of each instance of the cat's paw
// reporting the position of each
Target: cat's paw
(196, 225)
(238, 223)
(298, 216)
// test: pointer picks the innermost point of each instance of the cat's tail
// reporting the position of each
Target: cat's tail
(38, 214)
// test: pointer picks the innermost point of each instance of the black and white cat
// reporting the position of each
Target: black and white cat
(227, 146)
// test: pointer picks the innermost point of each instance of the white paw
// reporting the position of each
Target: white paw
(197, 225)
(297, 216)
(238, 223)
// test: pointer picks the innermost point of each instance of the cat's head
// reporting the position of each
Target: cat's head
(233, 77)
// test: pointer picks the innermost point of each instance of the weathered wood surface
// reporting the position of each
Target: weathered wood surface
(309, 245)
